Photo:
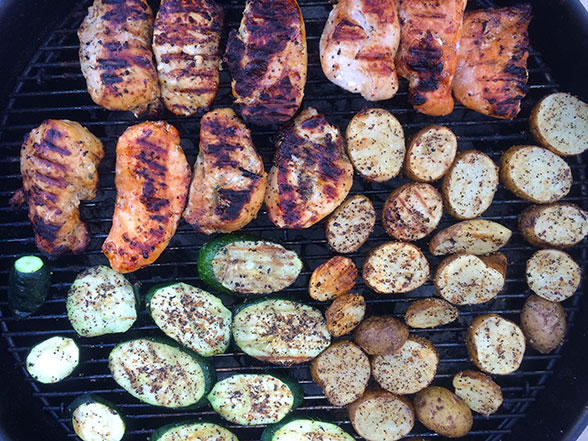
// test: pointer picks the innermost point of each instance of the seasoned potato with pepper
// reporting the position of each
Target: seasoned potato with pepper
(430, 313)
(557, 225)
(380, 335)
(351, 224)
(553, 275)
(430, 153)
(543, 323)
(479, 392)
(474, 236)
(331, 279)
(442, 411)
(344, 314)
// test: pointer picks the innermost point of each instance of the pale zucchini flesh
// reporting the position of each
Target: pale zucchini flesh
(53, 359)
(474, 236)
(95, 421)
(351, 224)
(553, 275)
(201, 431)
(306, 430)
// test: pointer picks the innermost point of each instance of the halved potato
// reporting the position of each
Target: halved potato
(379, 335)
(479, 392)
(412, 211)
(442, 411)
(543, 323)
(408, 370)
(395, 267)
(468, 187)
(342, 371)
(553, 275)
(535, 174)
(430, 153)
(557, 225)
(381, 416)
(495, 345)
(375, 144)
(351, 224)
(331, 279)
(465, 279)
(474, 236)
(560, 122)
(429, 313)
(344, 314)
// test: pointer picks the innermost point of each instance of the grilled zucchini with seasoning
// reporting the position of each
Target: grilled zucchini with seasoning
(251, 399)
(242, 264)
(475, 236)
(304, 429)
(557, 225)
(280, 331)
(53, 359)
(191, 316)
(95, 419)
(198, 430)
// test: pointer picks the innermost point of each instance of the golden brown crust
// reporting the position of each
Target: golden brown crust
(344, 314)
(333, 278)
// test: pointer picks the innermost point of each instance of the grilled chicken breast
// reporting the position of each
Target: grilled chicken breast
(58, 162)
(358, 45)
(491, 75)
(152, 180)
(267, 61)
(186, 38)
(115, 55)
(229, 180)
(427, 57)
(311, 174)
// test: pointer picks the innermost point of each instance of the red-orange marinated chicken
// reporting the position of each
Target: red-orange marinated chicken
(152, 180)
(491, 75)
(430, 32)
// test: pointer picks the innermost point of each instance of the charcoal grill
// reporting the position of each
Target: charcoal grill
(545, 399)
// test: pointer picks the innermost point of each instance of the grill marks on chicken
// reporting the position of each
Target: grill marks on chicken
(311, 174)
(58, 162)
(229, 180)
(115, 55)
(267, 60)
(430, 32)
(186, 42)
(358, 45)
(152, 180)
(491, 75)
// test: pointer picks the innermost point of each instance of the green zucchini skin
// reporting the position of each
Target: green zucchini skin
(272, 431)
(27, 291)
(91, 399)
(159, 434)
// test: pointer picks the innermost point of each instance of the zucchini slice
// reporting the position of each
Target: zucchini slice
(191, 316)
(249, 399)
(242, 264)
(53, 359)
(28, 285)
(101, 301)
(161, 373)
(96, 419)
(199, 430)
(280, 331)
(304, 429)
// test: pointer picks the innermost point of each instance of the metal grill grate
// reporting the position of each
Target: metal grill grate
(52, 86)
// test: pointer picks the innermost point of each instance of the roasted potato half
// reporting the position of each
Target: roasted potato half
(351, 224)
(375, 144)
(412, 211)
(379, 335)
(495, 345)
(331, 279)
(543, 323)
(557, 225)
(344, 314)
(430, 313)
(535, 174)
(442, 411)
(560, 122)
(430, 153)
(474, 236)
(381, 416)
(468, 187)
(553, 275)
(478, 391)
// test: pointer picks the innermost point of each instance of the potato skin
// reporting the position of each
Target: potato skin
(568, 225)
(380, 335)
(543, 323)
(442, 411)
(430, 313)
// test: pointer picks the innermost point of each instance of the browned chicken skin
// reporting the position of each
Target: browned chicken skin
(430, 32)
(491, 75)
(311, 174)
(116, 57)
(58, 162)
(186, 40)
(229, 180)
(152, 180)
(267, 60)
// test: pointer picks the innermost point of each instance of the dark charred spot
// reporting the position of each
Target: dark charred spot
(231, 202)
(516, 71)
(416, 99)
(126, 10)
(346, 30)
(46, 144)
(45, 231)
(53, 134)
(108, 78)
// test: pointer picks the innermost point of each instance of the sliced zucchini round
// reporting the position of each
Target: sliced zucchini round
(304, 429)
(28, 285)
(191, 316)
(161, 373)
(95, 419)
(53, 359)
(198, 430)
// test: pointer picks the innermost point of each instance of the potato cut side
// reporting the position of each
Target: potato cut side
(543, 323)
(469, 185)
(395, 267)
(344, 314)
(342, 371)
(430, 313)
(409, 370)
(412, 211)
(535, 174)
(478, 391)
(381, 416)
(557, 225)
(351, 224)
(495, 345)
(331, 279)
(375, 144)
(442, 411)
(553, 275)
(430, 153)
(560, 122)
(474, 236)
(379, 335)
